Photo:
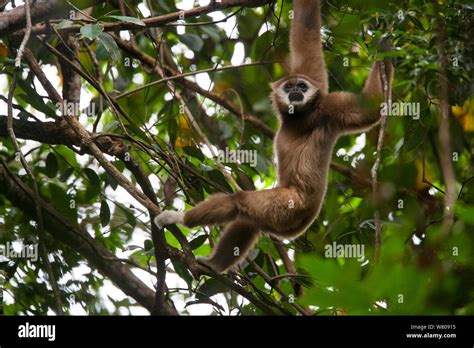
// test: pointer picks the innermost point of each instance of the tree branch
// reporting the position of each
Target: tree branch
(150, 22)
(445, 148)
(378, 157)
(41, 10)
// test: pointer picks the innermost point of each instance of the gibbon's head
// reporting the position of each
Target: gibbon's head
(295, 94)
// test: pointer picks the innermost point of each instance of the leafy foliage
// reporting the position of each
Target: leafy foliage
(420, 270)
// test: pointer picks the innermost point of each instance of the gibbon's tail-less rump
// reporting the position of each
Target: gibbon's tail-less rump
(311, 120)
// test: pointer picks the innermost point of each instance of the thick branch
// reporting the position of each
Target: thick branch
(157, 21)
(41, 10)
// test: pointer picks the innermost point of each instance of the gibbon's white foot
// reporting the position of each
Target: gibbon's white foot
(169, 217)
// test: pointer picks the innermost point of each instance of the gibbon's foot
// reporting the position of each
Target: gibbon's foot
(169, 217)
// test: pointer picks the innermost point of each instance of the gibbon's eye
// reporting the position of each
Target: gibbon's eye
(303, 87)
(287, 87)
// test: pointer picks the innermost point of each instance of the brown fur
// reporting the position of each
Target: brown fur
(303, 145)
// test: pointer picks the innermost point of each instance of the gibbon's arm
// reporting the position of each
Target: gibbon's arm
(353, 113)
(305, 42)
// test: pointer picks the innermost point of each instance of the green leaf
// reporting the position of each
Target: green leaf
(104, 213)
(212, 32)
(35, 100)
(198, 241)
(91, 31)
(465, 212)
(61, 200)
(183, 272)
(148, 245)
(111, 181)
(220, 179)
(107, 48)
(129, 19)
(210, 288)
(262, 44)
(66, 174)
(92, 176)
(64, 24)
(193, 41)
(163, 5)
(194, 152)
(51, 165)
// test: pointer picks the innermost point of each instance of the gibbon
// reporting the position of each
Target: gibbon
(311, 120)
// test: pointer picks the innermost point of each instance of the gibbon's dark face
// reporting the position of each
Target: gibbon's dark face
(293, 94)
(295, 90)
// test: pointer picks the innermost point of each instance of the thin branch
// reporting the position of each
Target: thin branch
(191, 73)
(289, 266)
(273, 284)
(160, 71)
(26, 38)
(375, 167)
(197, 269)
(445, 148)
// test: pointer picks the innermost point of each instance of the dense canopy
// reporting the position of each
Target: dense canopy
(121, 109)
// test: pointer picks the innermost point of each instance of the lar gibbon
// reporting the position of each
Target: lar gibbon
(311, 120)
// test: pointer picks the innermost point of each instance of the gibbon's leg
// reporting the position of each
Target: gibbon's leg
(233, 246)
(218, 208)
(305, 42)
(275, 208)
(278, 211)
